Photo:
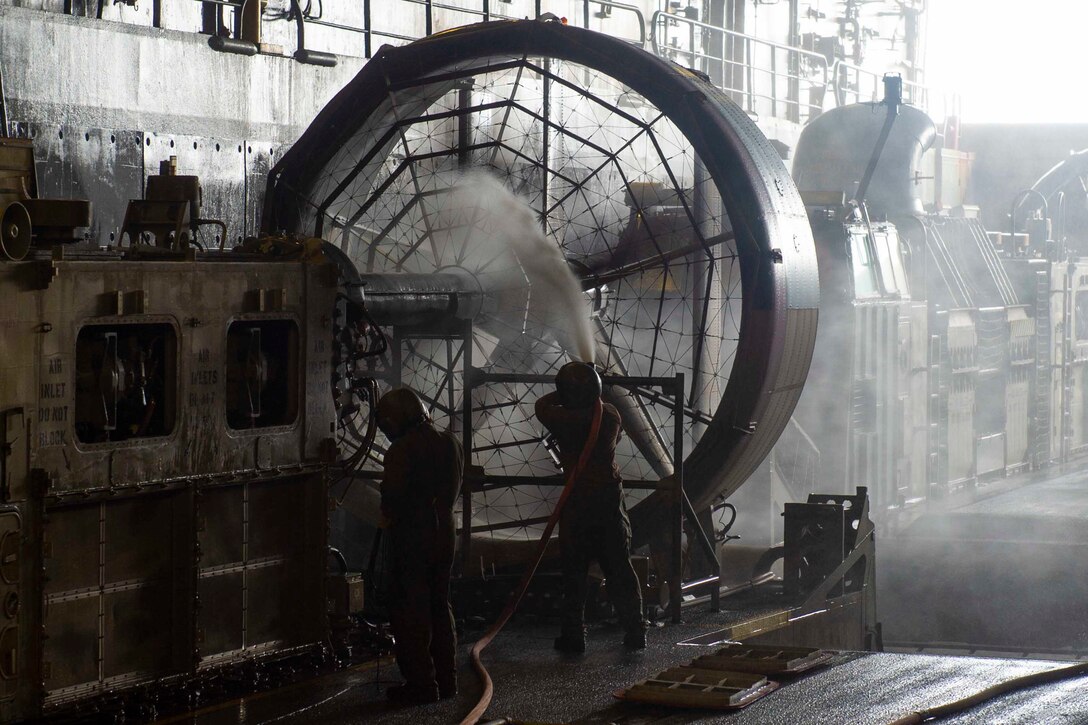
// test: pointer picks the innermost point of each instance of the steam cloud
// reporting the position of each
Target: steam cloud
(509, 251)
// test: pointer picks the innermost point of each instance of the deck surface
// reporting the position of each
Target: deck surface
(535, 684)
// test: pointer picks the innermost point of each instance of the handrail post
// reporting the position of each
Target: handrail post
(709, 550)
(691, 47)
(367, 37)
(676, 578)
(774, 82)
(750, 74)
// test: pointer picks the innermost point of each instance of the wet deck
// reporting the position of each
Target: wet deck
(536, 684)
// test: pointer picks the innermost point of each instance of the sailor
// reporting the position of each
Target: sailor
(593, 524)
(423, 471)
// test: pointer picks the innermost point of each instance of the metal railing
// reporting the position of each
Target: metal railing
(605, 11)
(676, 508)
(766, 78)
(763, 77)
(484, 12)
(854, 84)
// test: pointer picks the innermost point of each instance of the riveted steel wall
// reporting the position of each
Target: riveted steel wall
(145, 554)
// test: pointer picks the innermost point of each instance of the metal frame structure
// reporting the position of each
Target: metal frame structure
(777, 278)
(677, 500)
(729, 58)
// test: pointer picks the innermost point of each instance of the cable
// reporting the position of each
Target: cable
(1017, 683)
(515, 598)
(723, 535)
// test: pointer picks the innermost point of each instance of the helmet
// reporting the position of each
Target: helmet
(578, 385)
(399, 411)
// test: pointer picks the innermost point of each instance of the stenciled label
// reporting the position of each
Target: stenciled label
(54, 401)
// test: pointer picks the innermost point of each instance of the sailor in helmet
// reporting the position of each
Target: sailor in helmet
(593, 524)
(423, 472)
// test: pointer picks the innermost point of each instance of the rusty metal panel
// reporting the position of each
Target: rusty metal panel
(274, 608)
(53, 6)
(18, 325)
(211, 299)
(73, 536)
(220, 621)
(105, 166)
(121, 521)
(260, 546)
(135, 14)
(317, 362)
(137, 541)
(221, 526)
(71, 650)
(138, 636)
(181, 16)
(15, 634)
(276, 522)
(113, 578)
(109, 167)
(260, 157)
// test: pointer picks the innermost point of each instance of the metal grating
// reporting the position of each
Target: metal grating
(700, 688)
(763, 659)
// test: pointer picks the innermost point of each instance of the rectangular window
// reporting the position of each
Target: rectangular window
(126, 382)
(262, 373)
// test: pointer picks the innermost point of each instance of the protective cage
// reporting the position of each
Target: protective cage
(674, 211)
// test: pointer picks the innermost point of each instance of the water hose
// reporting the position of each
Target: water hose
(515, 598)
(1001, 688)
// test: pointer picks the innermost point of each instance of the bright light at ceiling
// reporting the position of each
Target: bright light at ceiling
(1011, 61)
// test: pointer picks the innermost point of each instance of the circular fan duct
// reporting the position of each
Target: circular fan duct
(676, 214)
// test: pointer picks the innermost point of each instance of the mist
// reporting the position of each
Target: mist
(512, 258)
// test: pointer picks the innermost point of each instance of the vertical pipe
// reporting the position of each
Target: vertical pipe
(749, 78)
(545, 165)
(633, 413)
(793, 94)
(676, 577)
(701, 284)
(464, 125)
(691, 45)
(395, 359)
(466, 441)
(249, 22)
(300, 19)
(1067, 359)
(451, 392)
(774, 81)
(3, 107)
(366, 33)
(430, 16)
(716, 563)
